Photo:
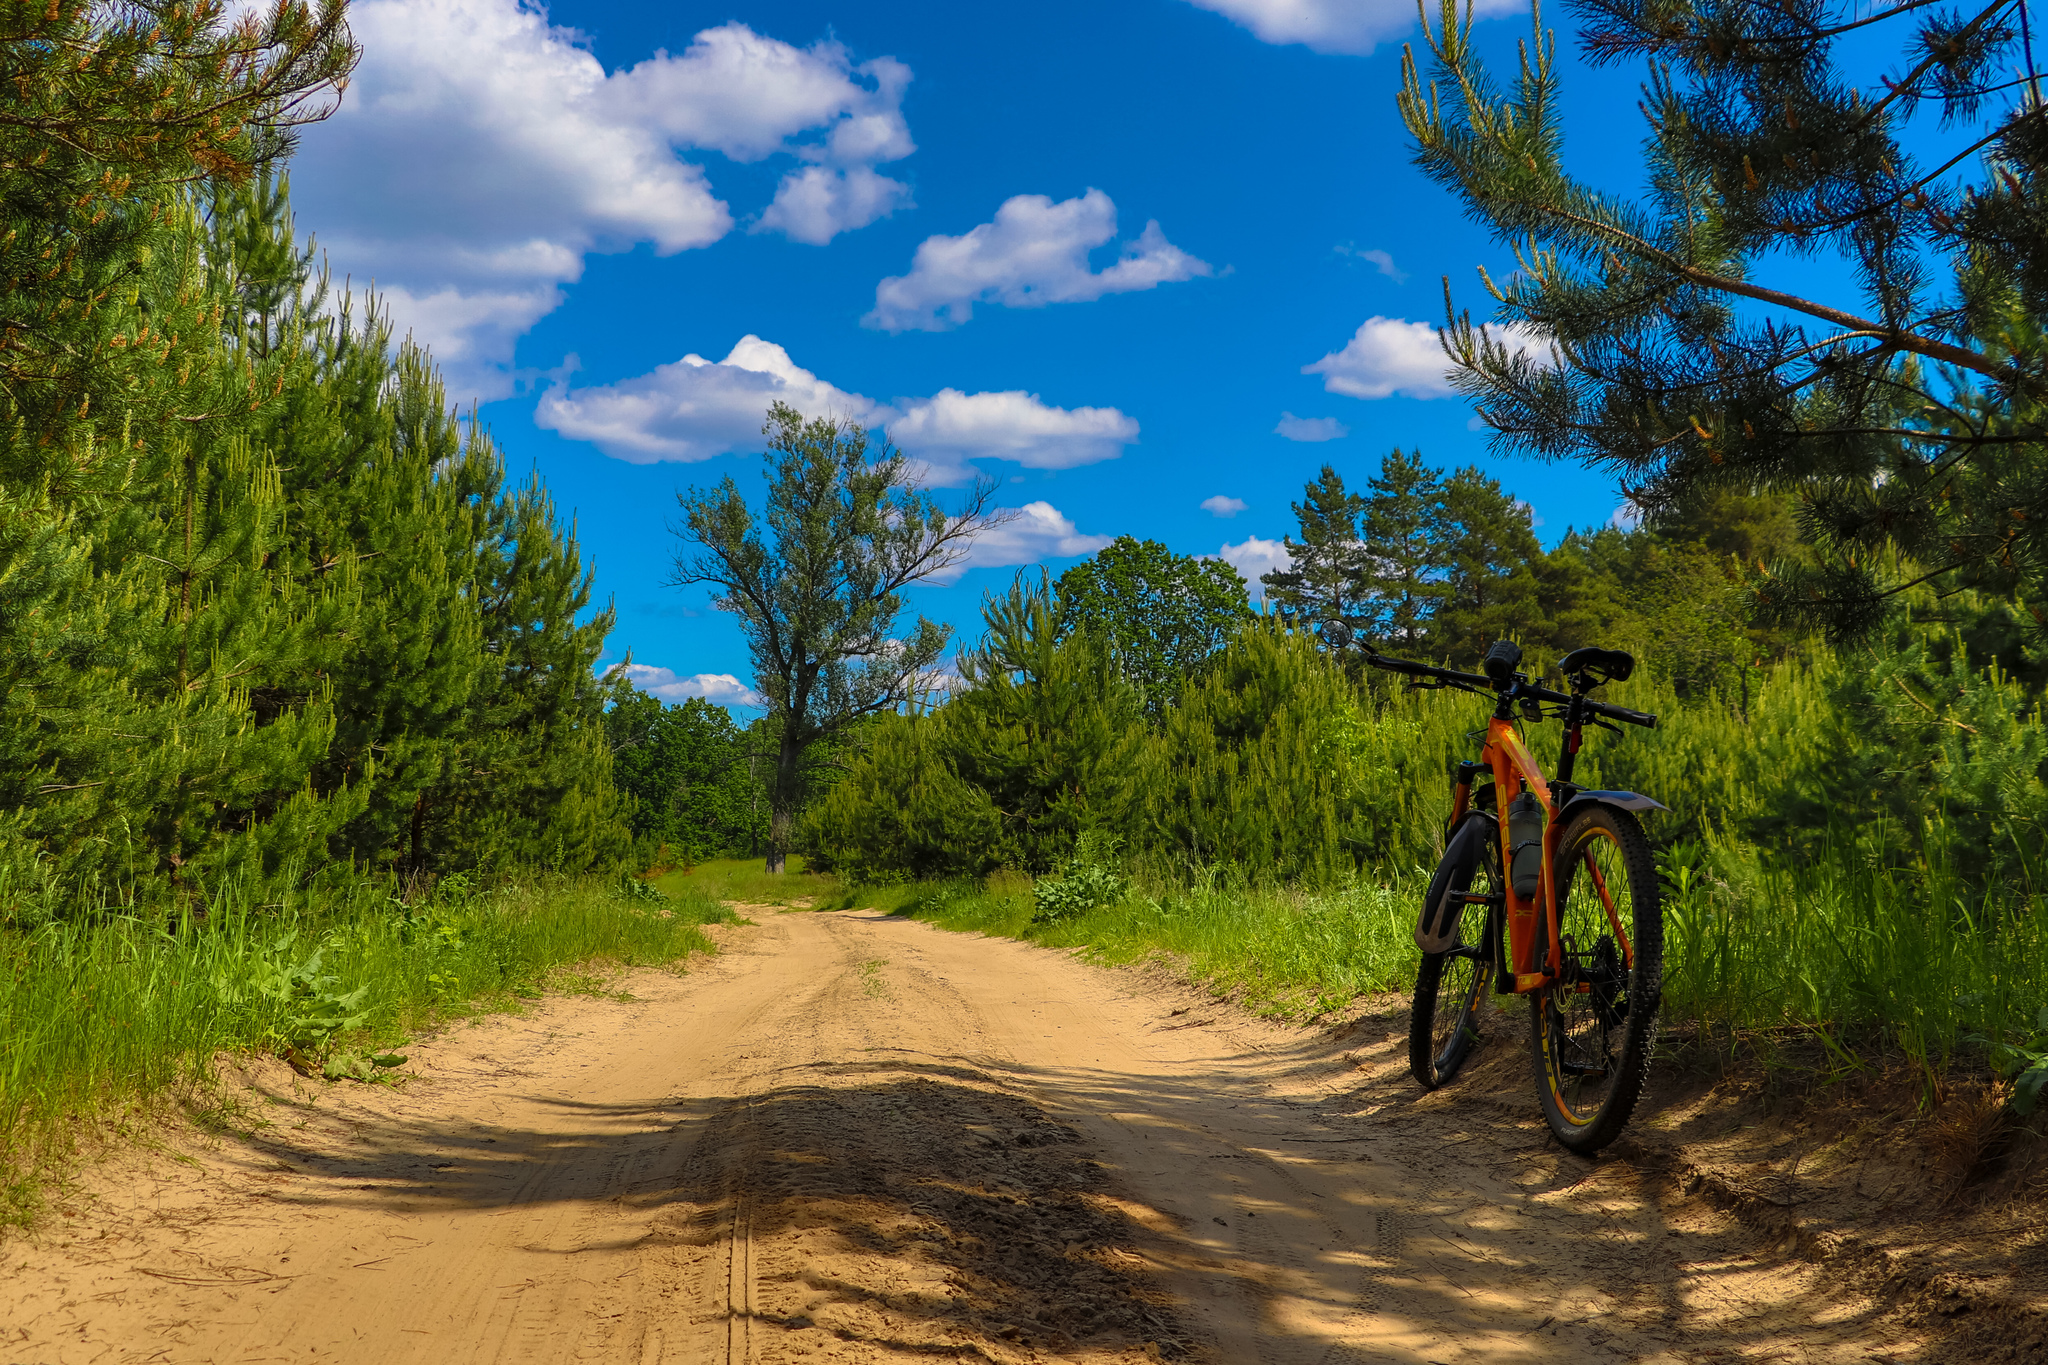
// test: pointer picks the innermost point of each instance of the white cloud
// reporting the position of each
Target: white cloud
(694, 409)
(1220, 506)
(483, 152)
(1626, 517)
(952, 427)
(665, 683)
(1379, 260)
(1387, 356)
(1255, 558)
(1039, 531)
(818, 203)
(1342, 26)
(1035, 252)
(1310, 428)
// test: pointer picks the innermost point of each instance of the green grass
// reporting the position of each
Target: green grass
(743, 880)
(1286, 953)
(98, 1019)
(1863, 957)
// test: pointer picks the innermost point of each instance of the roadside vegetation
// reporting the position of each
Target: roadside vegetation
(745, 881)
(1851, 854)
(302, 743)
(110, 1018)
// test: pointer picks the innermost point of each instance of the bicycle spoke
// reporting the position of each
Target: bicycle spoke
(1590, 1042)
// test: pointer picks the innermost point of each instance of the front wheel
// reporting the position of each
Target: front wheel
(1595, 1024)
(1450, 986)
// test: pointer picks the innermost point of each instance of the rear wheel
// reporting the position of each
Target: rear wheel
(1594, 1026)
(1451, 986)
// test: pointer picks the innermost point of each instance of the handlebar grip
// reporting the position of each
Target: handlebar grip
(1502, 660)
(1642, 718)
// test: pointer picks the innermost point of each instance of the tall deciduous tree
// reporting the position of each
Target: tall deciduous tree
(817, 583)
(1908, 408)
(1159, 614)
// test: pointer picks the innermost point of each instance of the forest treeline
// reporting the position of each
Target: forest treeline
(1173, 722)
(271, 616)
(1854, 834)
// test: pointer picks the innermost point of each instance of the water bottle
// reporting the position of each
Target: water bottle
(1525, 845)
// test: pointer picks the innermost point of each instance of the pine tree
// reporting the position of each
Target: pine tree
(111, 110)
(1490, 589)
(122, 417)
(1403, 560)
(370, 459)
(1910, 414)
(1049, 727)
(174, 741)
(1322, 578)
(530, 782)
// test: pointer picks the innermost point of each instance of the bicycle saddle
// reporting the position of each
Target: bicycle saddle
(1613, 665)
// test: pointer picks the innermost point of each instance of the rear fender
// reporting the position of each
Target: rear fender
(1633, 801)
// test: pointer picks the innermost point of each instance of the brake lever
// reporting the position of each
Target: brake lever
(1603, 724)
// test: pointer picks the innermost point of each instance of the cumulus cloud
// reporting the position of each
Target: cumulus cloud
(1220, 506)
(820, 202)
(1627, 517)
(1310, 428)
(1387, 356)
(1035, 252)
(667, 684)
(1340, 26)
(483, 152)
(695, 408)
(1038, 531)
(951, 427)
(1255, 558)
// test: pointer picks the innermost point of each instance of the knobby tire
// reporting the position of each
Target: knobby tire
(1451, 986)
(1593, 1030)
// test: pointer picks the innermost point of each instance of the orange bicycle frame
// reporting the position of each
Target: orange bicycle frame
(1535, 951)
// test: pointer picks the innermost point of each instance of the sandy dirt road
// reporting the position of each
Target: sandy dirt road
(856, 1138)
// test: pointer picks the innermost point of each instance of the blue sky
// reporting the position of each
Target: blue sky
(1088, 248)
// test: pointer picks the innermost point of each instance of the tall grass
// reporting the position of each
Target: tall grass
(1861, 954)
(1918, 957)
(745, 880)
(1288, 952)
(96, 1016)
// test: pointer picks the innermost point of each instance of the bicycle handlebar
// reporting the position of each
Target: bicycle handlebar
(1480, 681)
(1642, 718)
(1416, 670)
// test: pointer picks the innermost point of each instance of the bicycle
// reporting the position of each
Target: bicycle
(1537, 878)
